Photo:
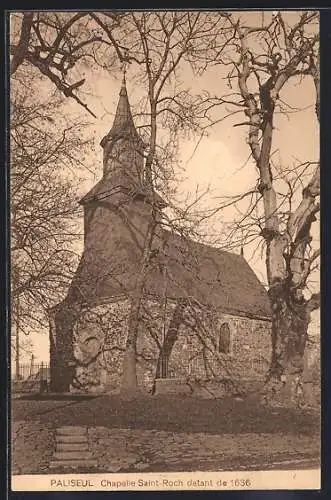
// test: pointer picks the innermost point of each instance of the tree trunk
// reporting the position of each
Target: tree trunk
(289, 335)
(129, 383)
(62, 366)
(171, 338)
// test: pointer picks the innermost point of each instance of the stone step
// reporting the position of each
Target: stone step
(73, 464)
(72, 455)
(71, 430)
(73, 439)
(83, 446)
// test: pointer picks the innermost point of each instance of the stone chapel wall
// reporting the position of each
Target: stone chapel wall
(100, 336)
(247, 360)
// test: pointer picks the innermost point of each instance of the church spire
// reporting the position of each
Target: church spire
(123, 156)
(123, 149)
(123, 122)
(123, 116)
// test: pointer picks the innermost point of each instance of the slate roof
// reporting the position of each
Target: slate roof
(104, 189)
(203, 274)
(214, 277)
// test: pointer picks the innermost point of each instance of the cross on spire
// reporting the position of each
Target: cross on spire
(123, 121)
(124, 69)
(124, 65)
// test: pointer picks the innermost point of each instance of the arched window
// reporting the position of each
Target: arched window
(224, 339)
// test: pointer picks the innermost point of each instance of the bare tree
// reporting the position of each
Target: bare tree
(58, 44)
(263, 60)
(162, 41)
(44, 215)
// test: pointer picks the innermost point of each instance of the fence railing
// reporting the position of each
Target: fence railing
(36, 371)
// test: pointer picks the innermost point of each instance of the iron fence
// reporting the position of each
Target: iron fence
(31, 372)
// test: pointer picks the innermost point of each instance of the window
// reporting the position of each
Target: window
(224, 339)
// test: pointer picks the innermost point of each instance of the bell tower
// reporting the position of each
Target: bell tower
(123, 148)
(117, 214)
(123, 160)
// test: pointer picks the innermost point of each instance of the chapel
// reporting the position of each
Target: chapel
(204, 313)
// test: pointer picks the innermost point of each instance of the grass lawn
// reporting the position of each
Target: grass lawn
(169, 413)
(235, 432)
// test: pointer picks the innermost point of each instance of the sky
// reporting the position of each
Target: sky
(220, 160)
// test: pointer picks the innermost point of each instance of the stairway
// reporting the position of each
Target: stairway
(72, 450)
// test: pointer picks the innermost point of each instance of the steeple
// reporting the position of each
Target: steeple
(123, 155)
(123, 158)
(123, 124)
(123, 118)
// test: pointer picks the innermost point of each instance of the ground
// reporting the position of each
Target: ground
(163, 433)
